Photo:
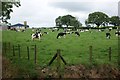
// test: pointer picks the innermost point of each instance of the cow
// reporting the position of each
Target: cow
(61, 34)
(110, 28)
(77, 33)
(23, 30)
(82, 31)
(117, 33)
(36, 35)
(45, 32)
(108, 35)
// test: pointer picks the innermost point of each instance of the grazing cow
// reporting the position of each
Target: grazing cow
(68, 32)
(99, 30)
(61, 34)
(82, 31)
(102, 30)
(58, 29)
(77, 33)
(86, 30)
(23, 30)
(36, 35)
(45, 32)
(14, 29)
(110, 29)
(117, 33)
(108, 35)
(54, 29)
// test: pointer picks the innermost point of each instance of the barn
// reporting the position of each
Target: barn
(18, 26)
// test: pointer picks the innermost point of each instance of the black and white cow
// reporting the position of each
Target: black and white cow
(36, 35)
(108, 35)
(45, 32)
(110, 28)
(61, 34)
(117, 33)
(77, 33)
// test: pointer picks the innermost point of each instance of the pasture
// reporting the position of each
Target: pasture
(75, 50)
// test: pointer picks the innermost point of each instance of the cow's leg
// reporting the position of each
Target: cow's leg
(57, 36)
(64, 36)
(39, 38)
(107, 37)
(32, 38)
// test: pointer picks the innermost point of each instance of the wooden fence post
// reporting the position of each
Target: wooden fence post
(13, 50)
(19, 50)
(28, 53)
(35, 53)
(109, 53)
(58, 63)
(90, 48)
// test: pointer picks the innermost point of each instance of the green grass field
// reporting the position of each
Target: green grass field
(75, 50)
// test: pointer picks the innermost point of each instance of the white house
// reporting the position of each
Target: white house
(18, 26)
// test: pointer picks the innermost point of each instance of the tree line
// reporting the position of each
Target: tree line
(97, 18)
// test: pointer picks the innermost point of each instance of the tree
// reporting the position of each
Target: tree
(86, 22)
(58, 21)
(98, 18)
(75, 23)
(67, 20)
(115, 20)
(7, 9)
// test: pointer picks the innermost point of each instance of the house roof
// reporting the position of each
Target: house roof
(18, 25)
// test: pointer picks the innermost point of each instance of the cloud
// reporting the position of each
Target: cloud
(44, 12)
(119, 9)
(73, 6)
(82, 9)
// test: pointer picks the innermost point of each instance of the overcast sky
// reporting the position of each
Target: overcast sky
(42, 13)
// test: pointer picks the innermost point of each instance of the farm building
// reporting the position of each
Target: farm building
(18, 26)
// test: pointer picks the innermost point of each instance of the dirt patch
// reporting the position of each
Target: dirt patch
(103, 71)
(8, 71)
(73, 71)
(80, 71)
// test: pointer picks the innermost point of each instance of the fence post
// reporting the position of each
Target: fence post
(90, 48)
(109, 53)
(28, 53)
(35, 53)
(58, 63)
(13, 50)
(19, 50)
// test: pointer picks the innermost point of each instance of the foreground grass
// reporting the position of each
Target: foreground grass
(75, 50)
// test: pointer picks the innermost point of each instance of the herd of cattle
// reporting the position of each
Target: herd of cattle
(38, 34)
